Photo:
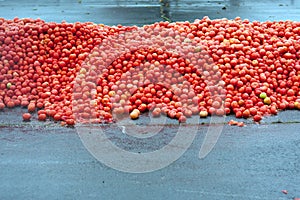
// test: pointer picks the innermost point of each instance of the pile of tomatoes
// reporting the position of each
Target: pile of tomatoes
(61, 71)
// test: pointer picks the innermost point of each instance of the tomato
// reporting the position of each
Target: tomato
(249, 68)
(135, 114)
(182, 119)
(42, 117)
(2, 106)
(26, 116)
(156, 112)
(70, 122)
(257, 118)
(31, 107)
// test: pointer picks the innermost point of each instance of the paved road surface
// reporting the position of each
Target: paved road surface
(139, 12)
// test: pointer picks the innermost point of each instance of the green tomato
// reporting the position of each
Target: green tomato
(8, 85)
(262, 95)
(197, 49)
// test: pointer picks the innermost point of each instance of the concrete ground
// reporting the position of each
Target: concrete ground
(47, 161)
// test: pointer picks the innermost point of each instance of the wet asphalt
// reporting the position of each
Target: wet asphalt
(46, 161)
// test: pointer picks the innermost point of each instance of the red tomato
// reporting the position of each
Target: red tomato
(26, 116)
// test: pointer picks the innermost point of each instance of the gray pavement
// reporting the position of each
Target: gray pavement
(46, 161)
(139, 12)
